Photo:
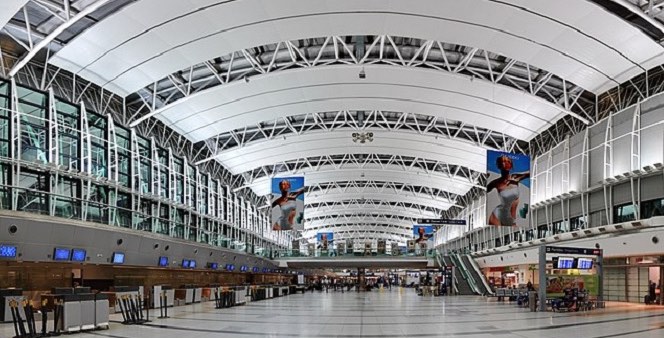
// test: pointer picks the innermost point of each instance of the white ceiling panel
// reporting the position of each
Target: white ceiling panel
(258, 154)
(140, 45)
(8, 9)
(390, 173)
(430, 92)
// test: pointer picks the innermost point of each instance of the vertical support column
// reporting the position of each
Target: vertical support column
(600, 276)
(53, 158)
(86, 136)
(136, 177)
(113, 170)
(15, 146)
(155, 186)
(542, 279)
(361, 279)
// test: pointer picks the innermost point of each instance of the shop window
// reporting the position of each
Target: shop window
(624, 213)
(542, 231)
(576, 223)
(652, 208)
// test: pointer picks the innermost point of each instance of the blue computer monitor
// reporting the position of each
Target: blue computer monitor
(163, 261)
(78, 255)
(118, 258)
(213, 266)
(61, 254)
(254, 269)
(192, 263)
(8, 251)
(584, 264)
(565, 263)
(185, 263)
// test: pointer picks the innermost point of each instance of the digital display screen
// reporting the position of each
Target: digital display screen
(254, 269)
(186, 263)
(565, 263)
(192, 263)
(163, 261)
(7, 251)
(230, 267)
(243, 268)
(61, 254)
(118, 258)
(213, 266)
(584, 263)
(265, 270)
(78, 255)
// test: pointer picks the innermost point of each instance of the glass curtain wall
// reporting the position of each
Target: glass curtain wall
(77, 164)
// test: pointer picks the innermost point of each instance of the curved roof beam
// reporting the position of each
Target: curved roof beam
(126, 54)
(363, 207)
(360, 121)
(335, 197)
(397, 221)
(398, 169)
(352, 204)
(386, 88)
(373, 227)
(259, 154)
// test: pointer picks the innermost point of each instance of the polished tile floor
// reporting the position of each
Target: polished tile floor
(385, 313)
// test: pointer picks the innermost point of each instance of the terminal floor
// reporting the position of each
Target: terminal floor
(384, 313)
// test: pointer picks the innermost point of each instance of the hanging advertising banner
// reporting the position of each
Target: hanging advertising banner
(508, 189)
(325, 240)
(422, 233)
(288, 203)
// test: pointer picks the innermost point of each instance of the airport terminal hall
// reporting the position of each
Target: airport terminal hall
(331, 168)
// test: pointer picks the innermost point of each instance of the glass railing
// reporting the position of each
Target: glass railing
(332, 254)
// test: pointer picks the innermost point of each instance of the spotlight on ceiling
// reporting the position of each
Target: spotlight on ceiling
(363, 137)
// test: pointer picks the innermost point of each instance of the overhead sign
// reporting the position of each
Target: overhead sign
(441, 221)
(573, 251)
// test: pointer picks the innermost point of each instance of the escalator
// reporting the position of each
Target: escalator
(472, 268)
(463, 283)
(465, 280)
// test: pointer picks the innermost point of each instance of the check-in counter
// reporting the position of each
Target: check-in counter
(284, 290)
(241, 294)
(88, 310)
(101, 311)
(70, 320)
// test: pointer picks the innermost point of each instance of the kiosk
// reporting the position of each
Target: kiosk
(566, 258)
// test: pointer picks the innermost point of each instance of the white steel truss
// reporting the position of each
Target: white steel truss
(353, 50)
(403, 191)
(364, 161)
(362, 121)
(355, 206)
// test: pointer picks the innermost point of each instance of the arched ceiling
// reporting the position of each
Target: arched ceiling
(274, 88)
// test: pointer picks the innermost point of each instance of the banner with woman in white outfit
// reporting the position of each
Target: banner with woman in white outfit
(508, 189)
(288, 203)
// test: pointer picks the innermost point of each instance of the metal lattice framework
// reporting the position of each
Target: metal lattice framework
(363, 161)
(361, 121)
(363, 50)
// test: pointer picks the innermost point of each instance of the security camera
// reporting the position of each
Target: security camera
(362, 74)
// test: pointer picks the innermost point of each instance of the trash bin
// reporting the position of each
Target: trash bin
(532, 301)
